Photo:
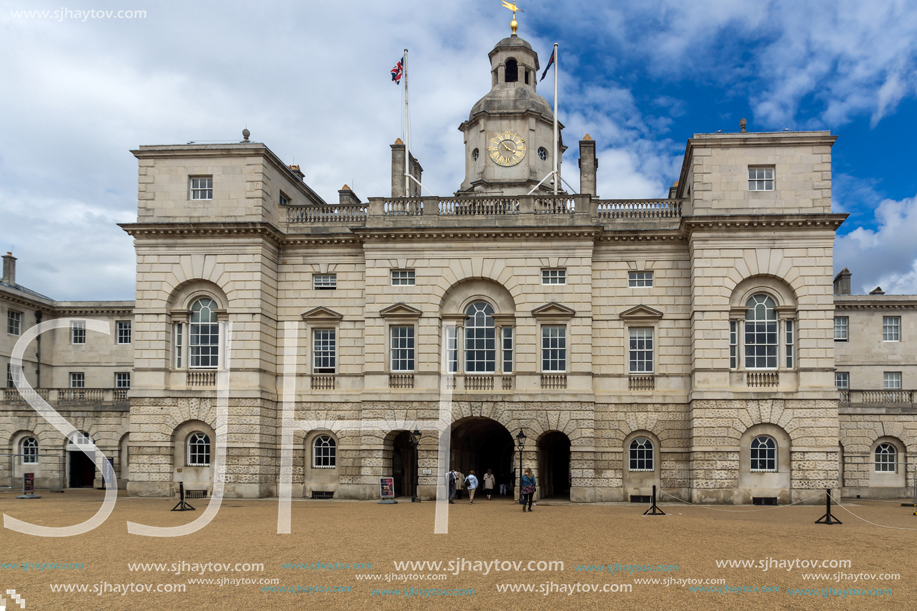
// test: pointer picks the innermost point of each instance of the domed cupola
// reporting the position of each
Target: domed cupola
(509, 132)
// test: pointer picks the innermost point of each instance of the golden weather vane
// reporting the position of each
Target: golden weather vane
(512, 6)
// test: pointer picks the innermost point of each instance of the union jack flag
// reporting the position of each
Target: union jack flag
(398, 71)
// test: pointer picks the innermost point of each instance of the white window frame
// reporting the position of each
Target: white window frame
(209, 352)
(122, 382)
(324, 282)
(403, 277)
(13, 322)
(284, 199)
(891, 380)
(507, 348)
(200, 188)
(562, 338)
(762, 178)
(789, 327)
(324, 456)
(884, 465)
(178, 337)
(640, 280)
(639, 454)
(194, 452)
(733, 344)
(841, 328)
(402, 348)
(77, 379)
(842, 380)
(891, 328)
(480, 361)
(123, 331)
(769, 454)
(77, 332)
(452, 349)
(766, 322)
(324, 349)
(634, 336)
(554, 275)
(11, 378)
(28, 448)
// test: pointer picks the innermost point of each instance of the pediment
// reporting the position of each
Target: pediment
(321, 313)
(400, 310)
(553, 310)
(641, 312)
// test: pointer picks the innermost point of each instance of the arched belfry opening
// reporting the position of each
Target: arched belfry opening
(554, 465)
(480, 444)
(512, 71)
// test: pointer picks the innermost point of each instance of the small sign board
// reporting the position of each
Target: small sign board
(109, 471)
(387, 487)
(28, 483)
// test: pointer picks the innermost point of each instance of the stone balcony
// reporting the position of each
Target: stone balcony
(877, 402)
(72, 398)
(487, 211)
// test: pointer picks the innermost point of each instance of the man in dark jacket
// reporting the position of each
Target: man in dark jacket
(451, 479)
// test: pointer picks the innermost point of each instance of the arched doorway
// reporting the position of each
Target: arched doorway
(403, 464)
(81, 469)
(554, 465)
(480, 444)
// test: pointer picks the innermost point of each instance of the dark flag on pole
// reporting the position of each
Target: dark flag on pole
(550, 63)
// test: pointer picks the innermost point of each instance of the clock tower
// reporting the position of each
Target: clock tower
(509, 135)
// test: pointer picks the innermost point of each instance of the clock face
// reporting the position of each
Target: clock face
(506, 149)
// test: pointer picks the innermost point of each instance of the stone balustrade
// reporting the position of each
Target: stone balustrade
(69, 396)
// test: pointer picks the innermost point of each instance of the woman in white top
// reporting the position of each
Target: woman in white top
(471, 483)
(489, 483)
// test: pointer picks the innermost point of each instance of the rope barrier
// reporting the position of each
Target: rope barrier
(738, 510)
(838, 503)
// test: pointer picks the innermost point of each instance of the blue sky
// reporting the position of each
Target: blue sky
(311, 81)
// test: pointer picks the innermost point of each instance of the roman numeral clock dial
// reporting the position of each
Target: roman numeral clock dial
(507, 149)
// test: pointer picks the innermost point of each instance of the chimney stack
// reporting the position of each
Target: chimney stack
(9, 269)
(398, 168)
(842, 282)
(588, 164)
(347, 196)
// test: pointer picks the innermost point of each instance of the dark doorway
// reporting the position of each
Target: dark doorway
(512, 71)
(554, 471)
(403, 464)
(481, 444)
(82, 470)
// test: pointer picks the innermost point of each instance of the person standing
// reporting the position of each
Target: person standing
(489, 483)
(528, 489)
(459, 484)
(471, 484)
(451, 480)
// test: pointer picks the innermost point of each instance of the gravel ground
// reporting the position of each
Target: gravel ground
(692, 538)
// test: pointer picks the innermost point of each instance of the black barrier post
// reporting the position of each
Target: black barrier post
(654, 510)
(828, 518)
(182, 505)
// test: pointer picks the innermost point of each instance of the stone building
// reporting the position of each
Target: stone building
(689, 342)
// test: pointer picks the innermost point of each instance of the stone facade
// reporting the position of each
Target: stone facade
(620, 337)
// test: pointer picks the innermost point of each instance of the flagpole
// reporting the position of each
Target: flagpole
(407, 131)
(556, 175)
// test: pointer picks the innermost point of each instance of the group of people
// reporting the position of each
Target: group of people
(457, 481)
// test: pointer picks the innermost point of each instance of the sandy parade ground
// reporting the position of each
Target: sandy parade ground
(343, 555)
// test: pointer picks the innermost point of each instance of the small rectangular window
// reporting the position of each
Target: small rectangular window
(124, 331)
(733, 344)
(760, 179)
(323, 351)
(402, 357)
(789, 344)
(77, 380)
(554, 349)
(14, 322)
(402, 277)
(640, 349)
(507, 349)
(452, 348)
(11, 377)
(640, 279)
(324, 282)
(178, 344)
(841, 328)
(554, 276)
(842, 380)
(77, 332)
(892, 380)
(284, 200)
(123, 380)
(202, 187)
(891, 328)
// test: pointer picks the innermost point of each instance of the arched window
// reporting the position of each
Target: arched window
(512, 71)
(79, 438)
(480, 339)
(886, 458)
(641, 454)
(324, 453)
(760, 333)
(763, 454)
(205, 334)
(198, 449)
(29, 450)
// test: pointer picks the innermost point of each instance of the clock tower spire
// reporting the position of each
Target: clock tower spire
(509, 133)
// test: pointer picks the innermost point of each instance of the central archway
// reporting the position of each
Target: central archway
(480, 444)
(554, 465)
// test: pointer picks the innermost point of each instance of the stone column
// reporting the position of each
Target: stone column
(588, 164)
